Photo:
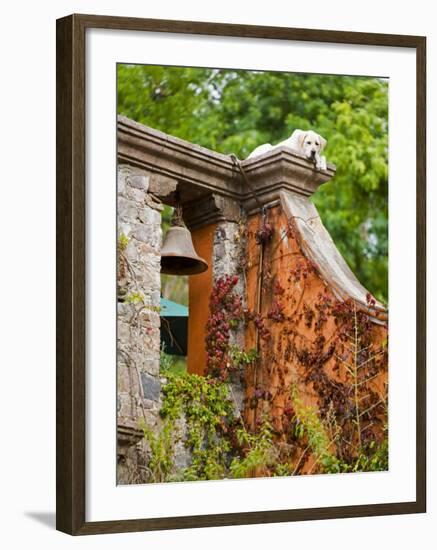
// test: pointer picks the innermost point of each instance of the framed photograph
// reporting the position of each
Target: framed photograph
(240, 274)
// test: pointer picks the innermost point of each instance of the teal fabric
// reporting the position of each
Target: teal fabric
(172, 309)
(174, 327)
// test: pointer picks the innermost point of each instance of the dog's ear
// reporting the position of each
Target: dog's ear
(301, 137)
(323, 143)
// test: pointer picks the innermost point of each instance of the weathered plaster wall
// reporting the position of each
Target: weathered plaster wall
(293, 295)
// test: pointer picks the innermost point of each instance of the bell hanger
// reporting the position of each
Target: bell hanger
(178, 256)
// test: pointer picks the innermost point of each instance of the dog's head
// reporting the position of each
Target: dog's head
(311, 144)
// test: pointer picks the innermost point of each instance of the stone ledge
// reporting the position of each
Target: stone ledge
(203, 172)
(282, 169)
(160, 153)
(128, 434)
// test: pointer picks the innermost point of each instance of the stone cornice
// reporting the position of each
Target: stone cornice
(282, 169)
(206, 172)
(157, 152)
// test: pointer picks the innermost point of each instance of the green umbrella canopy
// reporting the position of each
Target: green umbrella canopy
(174, 327)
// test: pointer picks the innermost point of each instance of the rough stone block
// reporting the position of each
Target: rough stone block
(162, 186)
(137, 195)
(151, 406)
(126, 310)
(140, 181)
(126, 405)
(127, 210)
(122, 174)
(151, 386)
(147, 233)
(182, 455)
(143, 249)
(151, 339)
(151, 366)
(147, 214)
(151, 216)
(151, 418)
(123, 331)
(127, 379)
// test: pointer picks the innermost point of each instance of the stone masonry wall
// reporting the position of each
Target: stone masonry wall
(138, 321)
(139, 390)
(228, 257)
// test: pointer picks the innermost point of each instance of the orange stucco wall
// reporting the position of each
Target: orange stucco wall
(199, 291)
(303, 330)
(280, 364)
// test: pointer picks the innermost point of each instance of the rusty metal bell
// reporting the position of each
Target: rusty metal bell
(178, 256)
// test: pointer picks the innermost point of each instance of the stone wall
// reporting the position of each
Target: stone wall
(139, 389)
(138, 321)
(228, 258)
(229, 252)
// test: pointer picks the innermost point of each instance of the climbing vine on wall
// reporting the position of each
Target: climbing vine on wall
(226, 313)
(205, 404)
(329, 350)
(326, 411)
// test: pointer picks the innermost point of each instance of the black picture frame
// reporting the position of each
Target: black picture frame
(71, 253)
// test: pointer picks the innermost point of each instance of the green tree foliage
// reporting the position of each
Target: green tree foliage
(233, 111)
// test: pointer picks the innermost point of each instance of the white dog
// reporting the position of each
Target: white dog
(307, 143)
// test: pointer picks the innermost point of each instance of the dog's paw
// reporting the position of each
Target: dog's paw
(321, 163)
